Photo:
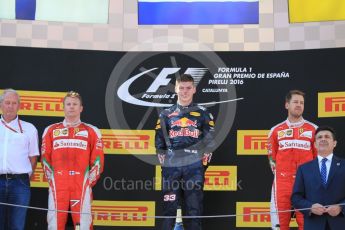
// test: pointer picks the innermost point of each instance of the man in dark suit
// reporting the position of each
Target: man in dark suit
(320, 185)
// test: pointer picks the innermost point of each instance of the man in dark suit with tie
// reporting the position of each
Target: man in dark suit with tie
(320, 186)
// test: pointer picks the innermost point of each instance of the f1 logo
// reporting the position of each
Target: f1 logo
(162, 79)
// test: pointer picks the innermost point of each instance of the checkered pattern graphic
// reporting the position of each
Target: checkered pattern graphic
(310, 35)
(122, 33)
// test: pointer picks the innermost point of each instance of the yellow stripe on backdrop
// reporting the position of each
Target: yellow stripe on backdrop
(316, 10)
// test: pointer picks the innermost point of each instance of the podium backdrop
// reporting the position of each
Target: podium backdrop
(123, 93)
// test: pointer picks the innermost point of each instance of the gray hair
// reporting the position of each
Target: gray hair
(6, 91)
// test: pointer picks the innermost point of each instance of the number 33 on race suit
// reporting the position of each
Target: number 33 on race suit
(170, 197)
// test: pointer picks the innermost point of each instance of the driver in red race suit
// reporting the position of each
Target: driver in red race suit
(290, 144)
(72, 157)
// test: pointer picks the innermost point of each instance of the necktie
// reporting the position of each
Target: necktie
(324, 171)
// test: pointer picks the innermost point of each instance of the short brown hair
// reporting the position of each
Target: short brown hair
(293, 92)
(73, 94)
(185, 78)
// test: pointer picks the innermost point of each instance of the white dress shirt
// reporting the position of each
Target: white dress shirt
(17, 147)
(328, 163)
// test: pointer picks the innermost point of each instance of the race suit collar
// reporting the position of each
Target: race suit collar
(71, 124)
(295, 124)
(185, 107)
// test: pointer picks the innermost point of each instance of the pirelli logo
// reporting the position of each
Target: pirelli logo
(38, 179)
(331, 104)
(221, 178)
(123, 213)
(217, 178)
(41, 103)
(128, 141)
(255, 214)
(252, 142)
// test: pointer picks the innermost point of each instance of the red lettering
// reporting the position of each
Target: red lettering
(255, 142)
(48, 108)
(125, 144)
(25, 106)
(117, 145)
(58, 107)
(102, 216)
(38, 106)
(217, 181)
(106, 144)
(256, 214)
(116, 216)
(36, 177)
(334, 104)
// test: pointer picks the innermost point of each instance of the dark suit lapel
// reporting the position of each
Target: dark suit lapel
(334, 167)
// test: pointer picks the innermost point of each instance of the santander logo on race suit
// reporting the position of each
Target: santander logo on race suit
(70, 143)
(298, 144)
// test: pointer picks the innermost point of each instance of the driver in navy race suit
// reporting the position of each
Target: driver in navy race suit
(184, 143)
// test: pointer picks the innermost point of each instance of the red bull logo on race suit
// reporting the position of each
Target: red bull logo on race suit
(184, 123)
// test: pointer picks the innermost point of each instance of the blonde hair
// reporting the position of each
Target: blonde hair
(73, 94)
